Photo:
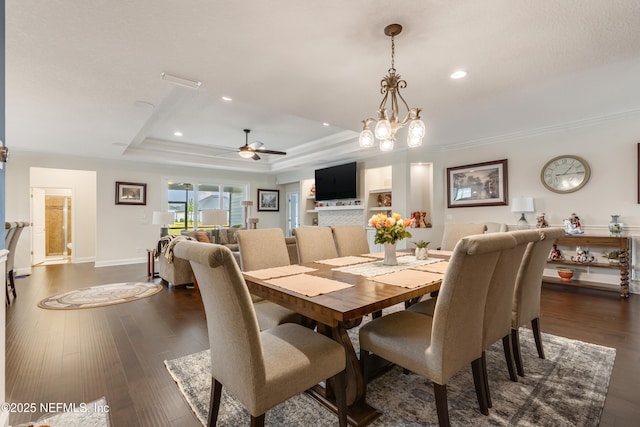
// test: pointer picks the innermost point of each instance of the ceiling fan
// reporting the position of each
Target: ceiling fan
(250, 151)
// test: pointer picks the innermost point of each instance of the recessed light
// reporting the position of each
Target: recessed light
(177, 133)
(226, 98)
(458, 74)
(325, 124)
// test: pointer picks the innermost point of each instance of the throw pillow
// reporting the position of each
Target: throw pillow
(223, 240)
(203, 236)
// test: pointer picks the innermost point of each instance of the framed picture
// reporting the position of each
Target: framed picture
(479, 184)
(269, 200)
(131, 193)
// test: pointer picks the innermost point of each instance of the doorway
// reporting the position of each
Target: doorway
(52, 231)
(293, 213)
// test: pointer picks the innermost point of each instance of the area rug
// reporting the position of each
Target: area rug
(101, 295)
(92, 414)
(568, 388)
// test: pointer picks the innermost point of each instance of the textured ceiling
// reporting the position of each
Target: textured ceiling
(83, 77)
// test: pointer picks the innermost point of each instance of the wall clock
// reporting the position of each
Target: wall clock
(565, 174)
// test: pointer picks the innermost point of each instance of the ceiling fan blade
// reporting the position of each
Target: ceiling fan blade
(265, 151)
(255, 157)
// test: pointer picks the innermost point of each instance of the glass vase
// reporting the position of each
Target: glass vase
(615, 226)
(390, 254)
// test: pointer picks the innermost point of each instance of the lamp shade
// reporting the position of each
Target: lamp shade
(247, 203)
(522, 204)
(214, 217)
(163, 218)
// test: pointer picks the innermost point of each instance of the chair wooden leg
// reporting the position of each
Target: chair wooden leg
(257, 421)
(485, 378)
(506, 345)
(442, 406)
(517, 356)
(13, 284)
(340, 390)
(479, 382)
(214, 402)
(535, 325)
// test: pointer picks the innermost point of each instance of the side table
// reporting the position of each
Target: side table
(151, 265)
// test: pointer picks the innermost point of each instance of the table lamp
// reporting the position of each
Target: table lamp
(253, 223)
(163, 219)
(522, 205)
(246, 204)
(215, 217)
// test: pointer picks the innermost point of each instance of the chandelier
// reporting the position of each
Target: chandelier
(387, 122)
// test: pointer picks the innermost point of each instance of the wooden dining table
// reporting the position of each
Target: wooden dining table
(337, 311)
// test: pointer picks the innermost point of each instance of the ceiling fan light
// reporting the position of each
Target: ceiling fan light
(386, 144)
(383, 129)
(366, 138)
(246, 154)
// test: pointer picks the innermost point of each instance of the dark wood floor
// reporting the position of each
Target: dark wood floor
(78, 356)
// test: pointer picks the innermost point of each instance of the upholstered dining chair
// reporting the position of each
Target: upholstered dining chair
(454, 232)
(315, 243)
(495, 227)
(350, 240)
(260, 369)
(497, 311)
(265, 248)
(438, 347)
(526, 299)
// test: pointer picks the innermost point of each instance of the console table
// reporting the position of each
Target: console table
(621, 244)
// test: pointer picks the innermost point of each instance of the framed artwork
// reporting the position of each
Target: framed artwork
(131, 193)
(269, 200)
(479, 184)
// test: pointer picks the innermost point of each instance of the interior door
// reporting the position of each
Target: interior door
(38, 228)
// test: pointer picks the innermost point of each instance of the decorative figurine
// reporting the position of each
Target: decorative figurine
(573, 225)
(541, 222)
(312, 192)
(419, 219)
(582, 256)
(555, 254)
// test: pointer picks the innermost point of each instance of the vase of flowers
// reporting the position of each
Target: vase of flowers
(390, 229)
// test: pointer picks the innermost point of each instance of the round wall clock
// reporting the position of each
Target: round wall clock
(565, 174)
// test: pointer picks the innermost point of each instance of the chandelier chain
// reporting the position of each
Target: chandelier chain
(393, 54)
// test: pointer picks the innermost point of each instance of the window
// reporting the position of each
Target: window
(188, 200)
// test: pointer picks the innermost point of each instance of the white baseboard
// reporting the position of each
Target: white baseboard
(116, 262)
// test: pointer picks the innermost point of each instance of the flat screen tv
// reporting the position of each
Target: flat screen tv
(337, 182)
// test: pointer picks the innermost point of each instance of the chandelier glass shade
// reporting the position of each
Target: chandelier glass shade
(388, 123)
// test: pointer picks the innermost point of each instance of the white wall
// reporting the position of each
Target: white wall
(608, 144)
(122, 232)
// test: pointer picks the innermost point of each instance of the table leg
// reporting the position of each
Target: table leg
(359, 412)
(151, 265)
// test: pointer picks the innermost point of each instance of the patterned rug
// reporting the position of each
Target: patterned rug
(99, 296)
(568, 388)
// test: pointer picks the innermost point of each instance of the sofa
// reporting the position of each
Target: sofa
(178, 272)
